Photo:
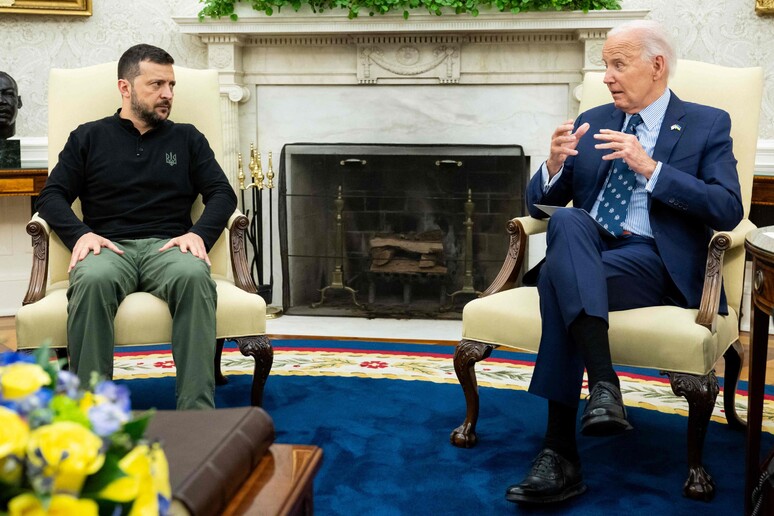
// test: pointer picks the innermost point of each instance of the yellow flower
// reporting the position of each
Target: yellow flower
(14, 433)
(70, 453)
(21, 379)
(61, 505)
(147, 476)
(89, 400)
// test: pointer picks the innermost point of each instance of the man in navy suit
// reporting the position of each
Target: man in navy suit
(650, 177)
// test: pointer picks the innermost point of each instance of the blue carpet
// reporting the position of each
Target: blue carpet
(386, 447)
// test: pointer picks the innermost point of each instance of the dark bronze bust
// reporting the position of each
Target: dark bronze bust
(10, 102)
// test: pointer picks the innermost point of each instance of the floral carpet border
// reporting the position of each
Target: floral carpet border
(652, 393)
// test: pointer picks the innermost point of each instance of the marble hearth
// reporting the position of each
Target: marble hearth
(496, 79)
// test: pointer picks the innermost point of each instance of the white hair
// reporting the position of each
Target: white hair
(655, 41)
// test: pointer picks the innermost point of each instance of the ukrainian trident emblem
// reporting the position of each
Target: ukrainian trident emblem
(171, 159)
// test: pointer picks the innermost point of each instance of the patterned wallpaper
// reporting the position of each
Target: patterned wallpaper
(726, 32)
(32, 44)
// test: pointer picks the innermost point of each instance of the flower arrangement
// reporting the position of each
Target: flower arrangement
(223, 8)
(69, 449)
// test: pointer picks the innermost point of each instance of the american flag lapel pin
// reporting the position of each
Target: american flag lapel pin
(676, 127)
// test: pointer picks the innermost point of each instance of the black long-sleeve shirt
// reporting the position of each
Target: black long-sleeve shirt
(136, 186)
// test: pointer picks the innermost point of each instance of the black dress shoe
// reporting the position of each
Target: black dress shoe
(605, 413)
(551, 479)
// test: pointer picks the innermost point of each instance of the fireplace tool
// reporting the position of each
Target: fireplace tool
(467, 280)
(337, 282)
(271, 311)
(254, 231)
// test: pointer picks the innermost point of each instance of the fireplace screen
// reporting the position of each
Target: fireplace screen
(394, 230)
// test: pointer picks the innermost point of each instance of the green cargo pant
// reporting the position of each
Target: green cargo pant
(100, 282)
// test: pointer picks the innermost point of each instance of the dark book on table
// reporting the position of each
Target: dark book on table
(211, 452)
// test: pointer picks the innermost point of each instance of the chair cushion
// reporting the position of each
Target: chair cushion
(239, 314)
(657, 337)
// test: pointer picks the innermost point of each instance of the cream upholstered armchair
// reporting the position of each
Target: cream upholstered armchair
(84, 94)
(683, 344)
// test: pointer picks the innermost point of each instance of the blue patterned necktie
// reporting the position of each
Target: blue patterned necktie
(618, 191)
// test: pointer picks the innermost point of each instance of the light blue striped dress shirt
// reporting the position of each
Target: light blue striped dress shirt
(637, 220)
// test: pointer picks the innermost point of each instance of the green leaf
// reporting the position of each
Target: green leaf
(136, 427)
(67, 409)
(108, 473)
(220, 8)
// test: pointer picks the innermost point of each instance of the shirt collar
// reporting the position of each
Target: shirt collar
(653, 115)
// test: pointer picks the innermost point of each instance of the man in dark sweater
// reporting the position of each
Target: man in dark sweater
(137, 175)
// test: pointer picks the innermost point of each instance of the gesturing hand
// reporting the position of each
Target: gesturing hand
(628, 148)
(90, 242)
(189, 242)
(563, 143)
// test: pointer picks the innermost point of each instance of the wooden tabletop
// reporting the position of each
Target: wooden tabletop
(281, 484)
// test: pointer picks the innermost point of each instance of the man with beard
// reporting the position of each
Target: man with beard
(137, 174)
(10, 103)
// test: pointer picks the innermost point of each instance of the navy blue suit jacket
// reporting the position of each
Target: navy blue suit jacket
(697, 189)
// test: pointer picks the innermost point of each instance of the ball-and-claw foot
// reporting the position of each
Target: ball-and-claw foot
(463, 437)
(699, 485)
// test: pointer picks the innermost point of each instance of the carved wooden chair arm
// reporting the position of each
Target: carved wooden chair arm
(39, 230)
(237, 226)
(721, 242)
(518, 230)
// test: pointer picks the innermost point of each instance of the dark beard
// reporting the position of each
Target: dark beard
(149, 116)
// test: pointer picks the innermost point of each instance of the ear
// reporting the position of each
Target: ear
(18, 102)
(659, 68)
(124, 88)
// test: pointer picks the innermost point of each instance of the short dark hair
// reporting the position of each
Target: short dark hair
(129, 64)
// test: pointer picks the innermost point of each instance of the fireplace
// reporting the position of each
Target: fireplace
(497, 79)
(382, 230)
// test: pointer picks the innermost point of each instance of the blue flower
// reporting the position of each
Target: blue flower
(68, 384)
(11, 357)
(107, 418)
(117, 394)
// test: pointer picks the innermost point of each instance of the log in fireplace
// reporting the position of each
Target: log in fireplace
(378, 230)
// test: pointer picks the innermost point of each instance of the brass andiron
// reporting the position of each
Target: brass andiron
(338, 271)
(467, 280)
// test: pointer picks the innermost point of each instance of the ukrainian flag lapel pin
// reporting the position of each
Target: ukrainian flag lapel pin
(676, 127)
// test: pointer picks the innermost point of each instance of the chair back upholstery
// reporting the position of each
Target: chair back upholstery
(735, 90)
(80, 95)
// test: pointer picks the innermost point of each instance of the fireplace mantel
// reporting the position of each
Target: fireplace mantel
(328, 49)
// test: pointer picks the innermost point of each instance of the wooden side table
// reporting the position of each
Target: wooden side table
(281, 484)
(760, 245)
(22, 181)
